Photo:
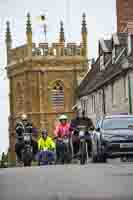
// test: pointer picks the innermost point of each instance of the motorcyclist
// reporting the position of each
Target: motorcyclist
(62, 127)
(78, 121)
(61, 130)
(24, 125)
(45, 143)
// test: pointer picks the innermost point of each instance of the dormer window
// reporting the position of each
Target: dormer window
(102, 66)
(113, 55)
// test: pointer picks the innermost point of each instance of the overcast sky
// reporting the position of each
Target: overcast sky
(101, 22)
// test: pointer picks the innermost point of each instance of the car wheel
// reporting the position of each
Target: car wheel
(123, 159)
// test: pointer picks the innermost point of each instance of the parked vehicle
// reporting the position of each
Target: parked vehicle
(113, 138)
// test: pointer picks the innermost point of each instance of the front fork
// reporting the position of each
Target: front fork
(83, 148)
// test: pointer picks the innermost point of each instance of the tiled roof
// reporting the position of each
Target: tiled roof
(96, 78)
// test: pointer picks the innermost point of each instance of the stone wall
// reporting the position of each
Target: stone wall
(116, 98)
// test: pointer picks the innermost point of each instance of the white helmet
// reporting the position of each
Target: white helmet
(63, 117)
(24, 117)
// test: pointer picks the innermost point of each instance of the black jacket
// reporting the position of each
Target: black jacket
(84, 121)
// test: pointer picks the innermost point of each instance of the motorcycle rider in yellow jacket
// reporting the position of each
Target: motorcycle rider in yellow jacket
(45, 142)
(46, 146)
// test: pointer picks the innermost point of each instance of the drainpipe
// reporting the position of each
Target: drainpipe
(129, 95)
(104, 106)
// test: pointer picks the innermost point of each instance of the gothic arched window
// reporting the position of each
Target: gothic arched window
(57, 96)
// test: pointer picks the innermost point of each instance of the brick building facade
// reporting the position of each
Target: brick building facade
(124, 10)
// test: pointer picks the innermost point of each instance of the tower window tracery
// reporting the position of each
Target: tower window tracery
(57, 96)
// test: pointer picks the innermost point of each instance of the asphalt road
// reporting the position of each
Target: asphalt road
(71, 182)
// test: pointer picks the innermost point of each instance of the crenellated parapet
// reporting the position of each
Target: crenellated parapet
(45, 50)
(17, 54)
(57, 49)
(60, 48)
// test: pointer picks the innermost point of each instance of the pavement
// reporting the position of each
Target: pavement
(110, 181)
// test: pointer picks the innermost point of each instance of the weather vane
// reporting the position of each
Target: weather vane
(42, 20)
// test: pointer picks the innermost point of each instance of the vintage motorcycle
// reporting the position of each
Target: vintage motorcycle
(85, 140)
(24, 138)
(64, 156)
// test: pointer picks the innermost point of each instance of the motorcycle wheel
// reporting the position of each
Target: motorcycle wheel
(102, 159)
(94, 157)
(68, 155)
(27, 159)
(83, 155)
(27, 163)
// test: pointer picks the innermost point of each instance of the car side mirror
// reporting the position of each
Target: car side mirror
(98, 129)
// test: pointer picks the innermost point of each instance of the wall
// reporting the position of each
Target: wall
(116, 98)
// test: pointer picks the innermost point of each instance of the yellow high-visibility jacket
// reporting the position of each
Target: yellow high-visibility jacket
(46, 144)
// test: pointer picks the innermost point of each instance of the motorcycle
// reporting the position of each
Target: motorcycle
(84, 137)
(64, 156)
(27, 151)
(24, 139)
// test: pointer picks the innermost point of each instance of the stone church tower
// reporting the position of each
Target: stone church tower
(43, 78)
(124, 10)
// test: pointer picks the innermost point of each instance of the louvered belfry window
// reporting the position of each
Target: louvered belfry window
(57, 96)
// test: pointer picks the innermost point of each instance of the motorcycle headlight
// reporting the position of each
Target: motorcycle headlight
(81, 133)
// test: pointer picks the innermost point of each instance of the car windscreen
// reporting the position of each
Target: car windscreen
(117, 123)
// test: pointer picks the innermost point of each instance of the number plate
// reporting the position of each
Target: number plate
(82, 140)
(66, 141)
(26, 138)
(81, 133)
(126, 145)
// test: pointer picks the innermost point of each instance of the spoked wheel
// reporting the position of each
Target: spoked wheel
(98, 158)
(94, 158)
(27, 158)
(68, 155)
(83, 156)
(102, 159)
(27, 163)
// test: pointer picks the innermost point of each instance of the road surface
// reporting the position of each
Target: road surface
(71, 182)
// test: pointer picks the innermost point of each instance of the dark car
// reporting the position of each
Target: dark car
(113, 138)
